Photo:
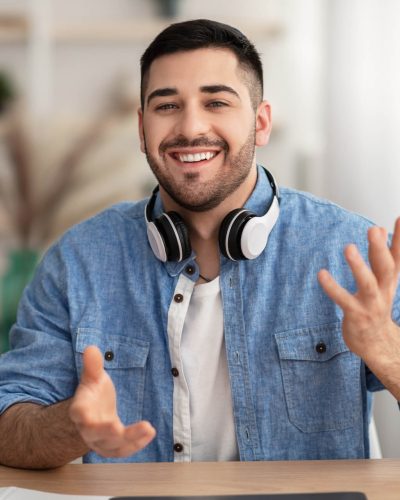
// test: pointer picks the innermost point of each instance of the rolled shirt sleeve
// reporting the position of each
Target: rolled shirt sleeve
(40, 367)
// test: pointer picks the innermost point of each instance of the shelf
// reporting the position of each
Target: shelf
(116, 31)
(135, 31)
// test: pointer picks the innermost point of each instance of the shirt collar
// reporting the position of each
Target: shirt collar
(261, 197)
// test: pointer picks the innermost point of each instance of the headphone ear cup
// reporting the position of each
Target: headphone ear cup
(175, 236)
(183, 234)
(230, 233)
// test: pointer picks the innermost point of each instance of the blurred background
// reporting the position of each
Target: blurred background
(69, 91)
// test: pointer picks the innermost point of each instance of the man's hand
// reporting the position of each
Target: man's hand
(368, 328)
(94, 412)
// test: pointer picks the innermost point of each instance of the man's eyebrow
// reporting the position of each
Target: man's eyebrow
(215, 89)
(166, 91)
(207, 89)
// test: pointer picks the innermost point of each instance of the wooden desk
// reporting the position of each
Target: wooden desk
(378, 479)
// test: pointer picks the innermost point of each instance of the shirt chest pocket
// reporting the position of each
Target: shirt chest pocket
(125, 362)
(321, 378)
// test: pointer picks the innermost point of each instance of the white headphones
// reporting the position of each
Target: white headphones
(242, 235)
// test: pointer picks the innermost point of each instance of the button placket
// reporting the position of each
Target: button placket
(176, 318)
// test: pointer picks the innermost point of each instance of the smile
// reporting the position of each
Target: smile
(195, 157)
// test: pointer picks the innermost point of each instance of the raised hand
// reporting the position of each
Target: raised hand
(94, 412)
(368, 328)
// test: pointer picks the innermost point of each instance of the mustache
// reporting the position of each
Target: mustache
(182, 142)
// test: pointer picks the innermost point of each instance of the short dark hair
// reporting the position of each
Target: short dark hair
(203, 33)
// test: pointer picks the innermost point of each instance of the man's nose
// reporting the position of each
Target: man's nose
(192, 123)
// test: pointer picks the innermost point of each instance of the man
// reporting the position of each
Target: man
(188, 327)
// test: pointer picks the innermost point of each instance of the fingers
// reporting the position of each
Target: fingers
(101, 434)
(337, 293)
(141, 431)
(366, 281)
(94, 412)
(120, 441)
(380, 257)
(109, 437)
(95, 396)
(92, 365)
(372, 281)
(138, 436)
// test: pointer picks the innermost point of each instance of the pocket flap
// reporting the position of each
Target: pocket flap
(311, 344)
(118, 351)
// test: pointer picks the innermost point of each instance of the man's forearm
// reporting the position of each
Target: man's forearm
(39, 437)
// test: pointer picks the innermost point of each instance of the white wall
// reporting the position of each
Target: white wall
(363, 157)
(363, 127)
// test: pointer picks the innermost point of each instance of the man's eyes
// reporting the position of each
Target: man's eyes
(170, 106)
(166, 107)
(216, 104)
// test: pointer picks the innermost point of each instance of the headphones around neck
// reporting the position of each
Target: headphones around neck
(242, 235)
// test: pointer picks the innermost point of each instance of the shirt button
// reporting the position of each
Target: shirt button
(109, 356)
(175, 372)
(178, 447)
(178, 298)
(190, 270)
(320, 347)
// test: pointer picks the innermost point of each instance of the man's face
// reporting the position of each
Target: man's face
(198, 127)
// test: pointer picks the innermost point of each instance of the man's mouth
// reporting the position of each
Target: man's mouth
(194, 157)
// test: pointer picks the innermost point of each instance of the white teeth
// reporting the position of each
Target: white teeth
(191, 158)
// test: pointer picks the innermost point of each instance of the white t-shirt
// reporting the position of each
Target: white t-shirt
(206, 371)
(203, 412)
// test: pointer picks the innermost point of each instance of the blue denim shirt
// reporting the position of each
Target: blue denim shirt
(101, 284)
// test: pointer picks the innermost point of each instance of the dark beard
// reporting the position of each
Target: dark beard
(200, 199)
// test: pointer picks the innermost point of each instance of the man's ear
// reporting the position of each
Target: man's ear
(141, 131)
(263, 123)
